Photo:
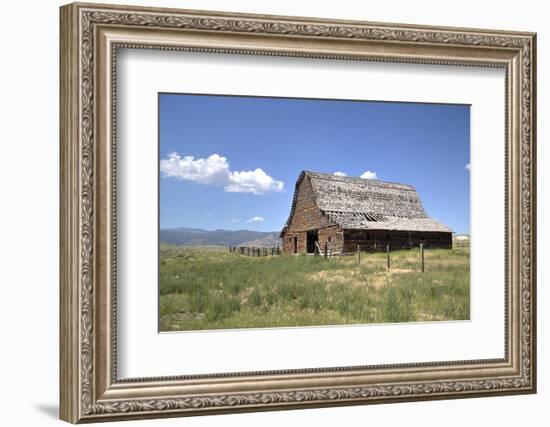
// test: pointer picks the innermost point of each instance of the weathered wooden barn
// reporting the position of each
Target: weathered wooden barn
(340, 213)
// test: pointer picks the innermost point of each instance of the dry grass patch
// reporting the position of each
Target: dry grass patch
(214, 289)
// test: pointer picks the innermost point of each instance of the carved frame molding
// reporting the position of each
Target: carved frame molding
(90, 36)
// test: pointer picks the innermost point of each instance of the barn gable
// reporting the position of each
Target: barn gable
(366, 204)
(306, 214)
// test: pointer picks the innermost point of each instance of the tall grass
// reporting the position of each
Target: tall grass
(209, 288)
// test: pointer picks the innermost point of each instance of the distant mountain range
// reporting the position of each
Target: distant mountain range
(198, 237)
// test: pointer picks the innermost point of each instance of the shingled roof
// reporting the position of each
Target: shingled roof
(363, 204)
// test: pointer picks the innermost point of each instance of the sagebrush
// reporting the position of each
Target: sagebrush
(210, 288)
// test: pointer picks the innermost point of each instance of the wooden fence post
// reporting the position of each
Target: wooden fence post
(358, 255)
(388, 256)
(422, 256)
(326, 250)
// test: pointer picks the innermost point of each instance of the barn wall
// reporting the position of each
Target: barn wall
(288, 242)
(378, 239)
(333, 238)
(307, 216)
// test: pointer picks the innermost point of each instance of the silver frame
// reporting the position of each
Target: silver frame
(90, 37)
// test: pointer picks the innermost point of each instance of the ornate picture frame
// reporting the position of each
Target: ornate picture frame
(90, 37)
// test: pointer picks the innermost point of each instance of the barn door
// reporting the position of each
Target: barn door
(312, 237)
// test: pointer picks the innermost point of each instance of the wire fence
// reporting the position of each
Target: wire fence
(253, 251)
(365, 254)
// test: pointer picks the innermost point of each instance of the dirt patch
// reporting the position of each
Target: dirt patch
(427, 317)
(174, 322)
(399, 271)
(344, 277)
(245, 294)
(379, 280)
(355, 279)
(436, 262)
(331, 276)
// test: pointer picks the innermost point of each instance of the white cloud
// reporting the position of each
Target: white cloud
(212, 171)
(255, 219)
(467, 167)
(215, 170)
(340, 174)
(369, 175)
(256, 181)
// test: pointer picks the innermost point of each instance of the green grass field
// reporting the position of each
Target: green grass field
(210, 288)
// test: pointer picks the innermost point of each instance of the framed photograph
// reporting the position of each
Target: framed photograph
(266, 212)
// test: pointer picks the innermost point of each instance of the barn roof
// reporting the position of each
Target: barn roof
(358, 203)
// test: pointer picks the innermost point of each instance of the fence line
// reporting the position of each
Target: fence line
(362, 255)
(253, 251)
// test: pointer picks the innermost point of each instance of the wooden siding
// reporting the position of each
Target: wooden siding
(288, 242)
(396, 239)
(307, 216)
(333, 238)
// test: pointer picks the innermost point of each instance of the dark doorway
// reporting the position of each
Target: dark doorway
(312, 237)
(295, 249)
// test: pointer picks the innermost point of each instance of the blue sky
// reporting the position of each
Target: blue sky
(230, 162)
